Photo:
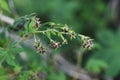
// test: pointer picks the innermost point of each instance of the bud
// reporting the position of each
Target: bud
(65, 41)
(72, 34)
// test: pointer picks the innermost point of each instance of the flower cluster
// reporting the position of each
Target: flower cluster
(59, 31)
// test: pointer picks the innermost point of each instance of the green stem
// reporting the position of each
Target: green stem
(79, 57)
(50, 30)
(43, 24)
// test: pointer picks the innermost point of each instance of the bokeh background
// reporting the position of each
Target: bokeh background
(98, 19)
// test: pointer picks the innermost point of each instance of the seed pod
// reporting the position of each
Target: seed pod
(41, 49)
(54, 44)
(37, 22)
(87, 43)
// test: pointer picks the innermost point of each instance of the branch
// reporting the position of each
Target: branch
(70, 69)
(7, 19)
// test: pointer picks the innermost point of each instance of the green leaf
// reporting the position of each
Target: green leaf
(2, 57)
(53, 32)
(24, 75)
(57, 76)
(27, 27)
(59, 34)
(17, 68)
(48, 34)
(52, 24)
(31, 25)
(10, 59)
(3, 75)
(1, 51)
(95, 65)
(4, 5)
(13, 49)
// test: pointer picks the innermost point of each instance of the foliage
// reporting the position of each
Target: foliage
(59, 21)
(95, 66)
(32, 27)
(109, 53)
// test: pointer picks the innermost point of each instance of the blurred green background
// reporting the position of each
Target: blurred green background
(98, 19)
